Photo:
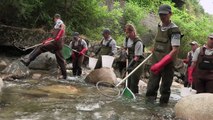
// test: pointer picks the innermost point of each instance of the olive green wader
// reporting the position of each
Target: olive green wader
(104, 50)
(135, 77)
(162, 47)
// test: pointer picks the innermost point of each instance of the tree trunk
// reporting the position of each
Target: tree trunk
(109, 4)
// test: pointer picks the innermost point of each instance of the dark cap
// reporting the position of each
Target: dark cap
(211, 35)
(57, 15)
(164, 9)
(106, 30)
(75, 34)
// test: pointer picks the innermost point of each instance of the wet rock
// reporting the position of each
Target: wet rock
(3, 64)
(45, 61)
(36, 76)
(62, 89)
(16, 70)
(195, 107)
(102, 74)
(1, 84)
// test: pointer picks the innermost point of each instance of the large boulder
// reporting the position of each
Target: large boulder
(102, 74)
(195, 107)
(16, 70)
(45, 61)
(3, 65)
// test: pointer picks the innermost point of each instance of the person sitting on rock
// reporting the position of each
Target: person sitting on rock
(53, 44)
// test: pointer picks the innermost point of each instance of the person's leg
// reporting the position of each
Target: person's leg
(61, 63)
(200, 86)
(167, 79)
(80, 62)
(152, 86)
(135, 77)
(209, 86)
(36, 52)
(99, 63)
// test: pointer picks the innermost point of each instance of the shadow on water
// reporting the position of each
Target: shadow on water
(73, 100)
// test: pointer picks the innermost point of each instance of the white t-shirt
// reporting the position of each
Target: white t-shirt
(83, 42)
(197, 52)
(58, 24)
(138, 46)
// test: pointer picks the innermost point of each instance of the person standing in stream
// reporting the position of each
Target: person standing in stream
(79, 48)
(53, 44)
(107, 47)
(134, 46)
(167, 43)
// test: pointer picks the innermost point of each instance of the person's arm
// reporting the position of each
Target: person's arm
(83, 51)
(191, 69)
(138, 51)
(60, 33)
(113, 46)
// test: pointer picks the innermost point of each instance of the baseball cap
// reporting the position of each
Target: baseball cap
(57, 15)
(164, 9)
(193, 43)
(211, 35)
(75, 34)
(106, 30)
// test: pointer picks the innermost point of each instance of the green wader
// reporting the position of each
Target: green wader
(162, 47)
(105, 50)
(135, 77)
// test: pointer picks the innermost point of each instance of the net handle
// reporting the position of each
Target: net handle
(133, 70)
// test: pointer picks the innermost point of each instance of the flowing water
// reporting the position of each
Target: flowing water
(73, 100)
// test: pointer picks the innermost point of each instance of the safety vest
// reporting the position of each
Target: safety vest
(105, 49)
(162, 44)
(204, 65)
(77, 47)
(131, 50)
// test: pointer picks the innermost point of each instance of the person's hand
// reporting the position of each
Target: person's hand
(190, 77)
(47, 41)
(156, 68)
(136, 58)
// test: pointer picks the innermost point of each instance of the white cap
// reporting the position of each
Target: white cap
(193, 43)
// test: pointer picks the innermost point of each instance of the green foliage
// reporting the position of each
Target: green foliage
(90, 17)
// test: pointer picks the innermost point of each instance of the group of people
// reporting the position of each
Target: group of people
(166, 47)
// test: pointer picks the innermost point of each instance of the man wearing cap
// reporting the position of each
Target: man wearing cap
(79, 48)
(53, 44)
(188, 61)
(202, 66)
(167, 42)
(108, 47)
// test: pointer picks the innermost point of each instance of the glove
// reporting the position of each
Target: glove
(185, 61)
(190, 71)
(59, 35)
(83, 51)
(136, 58)
(47, 41)
(156, 68)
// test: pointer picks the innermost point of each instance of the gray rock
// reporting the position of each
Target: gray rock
(195, 107)
(16, 70)
(102, 74)
(3, 64)
(45, 61)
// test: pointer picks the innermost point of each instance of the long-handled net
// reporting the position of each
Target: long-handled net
(115, 91)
